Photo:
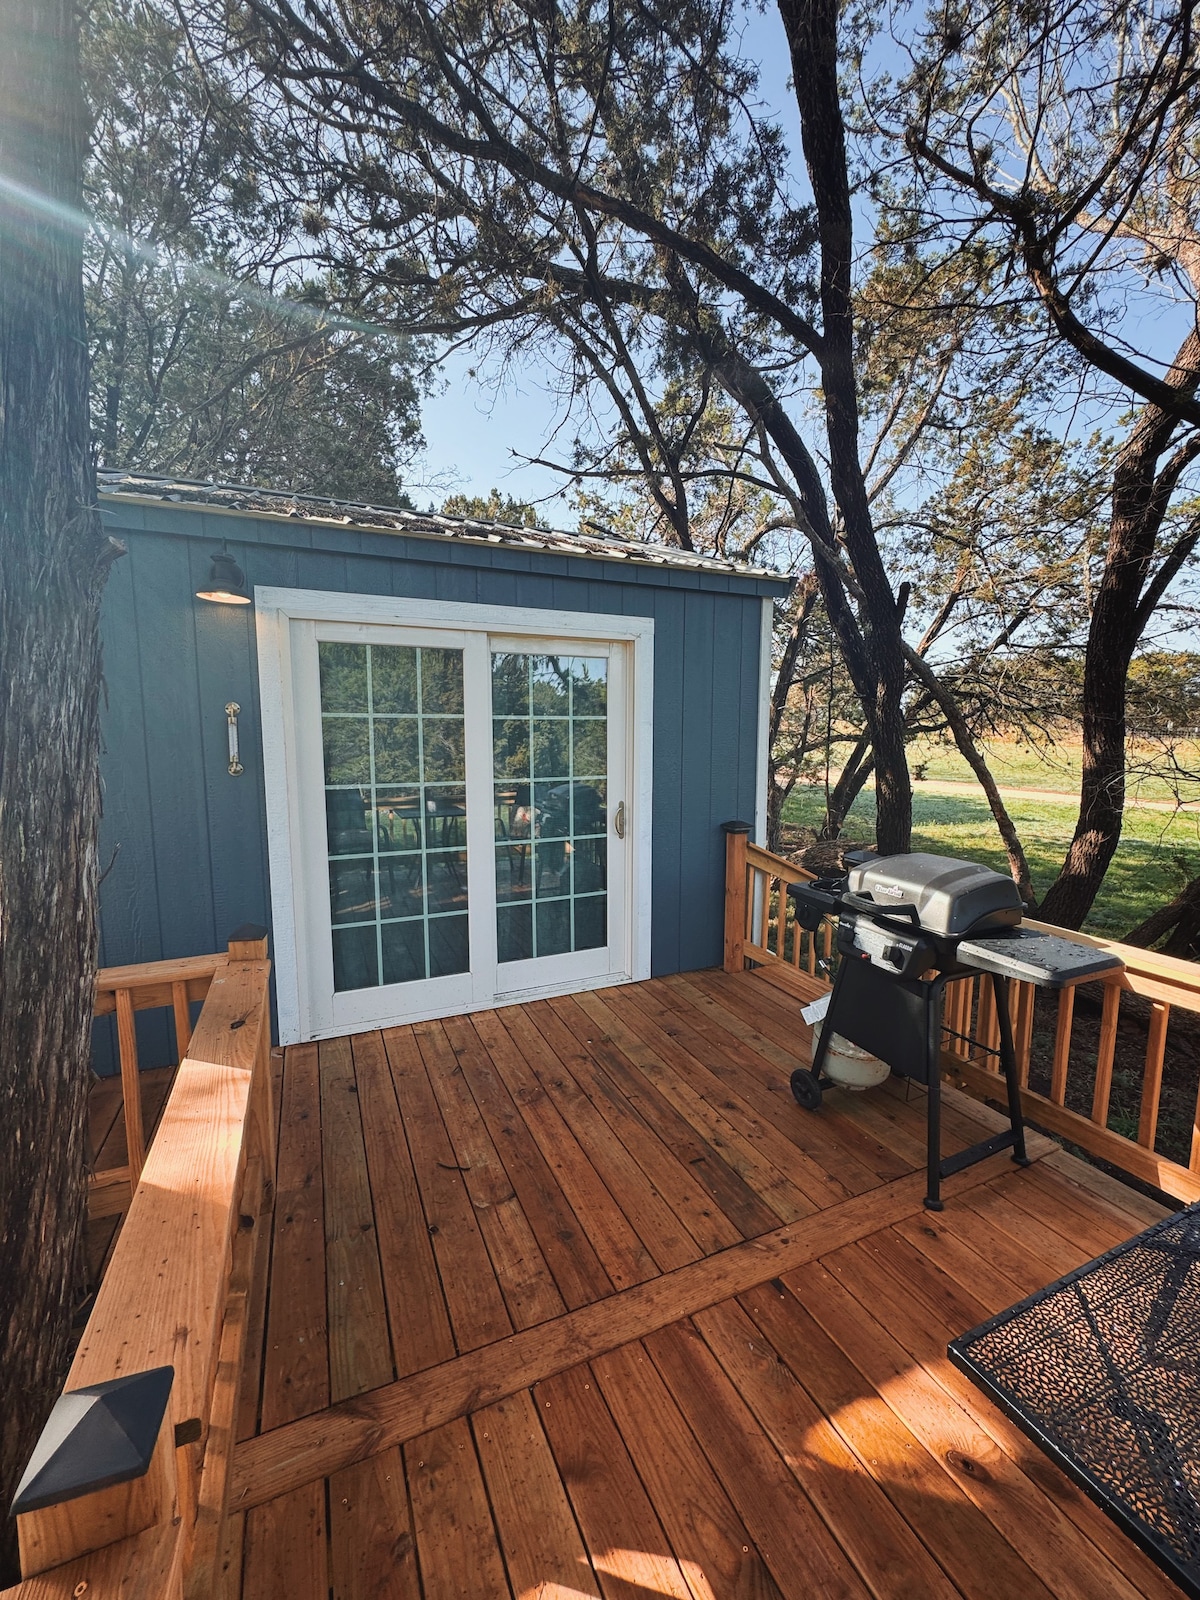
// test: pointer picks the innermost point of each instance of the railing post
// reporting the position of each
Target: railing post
(736, 836)
(67, 1517)
(249, 943)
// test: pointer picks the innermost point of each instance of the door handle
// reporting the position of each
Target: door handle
(619, 821)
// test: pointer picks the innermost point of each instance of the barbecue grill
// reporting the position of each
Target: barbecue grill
(907, 925)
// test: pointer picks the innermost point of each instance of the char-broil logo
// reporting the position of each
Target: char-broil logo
(896, 890)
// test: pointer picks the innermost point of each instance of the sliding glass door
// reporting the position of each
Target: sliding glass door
(464, 817)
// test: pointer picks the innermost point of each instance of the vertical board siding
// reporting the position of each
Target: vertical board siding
(228, 671)
(670, 782)
(187, 842)
(126, 778)
(172, 701)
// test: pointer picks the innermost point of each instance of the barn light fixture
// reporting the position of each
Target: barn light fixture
(226, 581)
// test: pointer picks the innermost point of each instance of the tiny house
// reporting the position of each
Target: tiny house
(448, 764)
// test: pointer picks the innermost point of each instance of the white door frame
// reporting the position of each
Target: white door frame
(275, 611)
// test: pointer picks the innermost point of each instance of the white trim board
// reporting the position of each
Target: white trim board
(277, 609)
(766, 634)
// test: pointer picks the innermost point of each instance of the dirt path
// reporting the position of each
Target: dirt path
(1060, 797)
(1052, 796)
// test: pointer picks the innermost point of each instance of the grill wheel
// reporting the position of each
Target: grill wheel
(806, 1089)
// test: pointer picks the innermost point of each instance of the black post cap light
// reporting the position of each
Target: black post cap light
(226, 581)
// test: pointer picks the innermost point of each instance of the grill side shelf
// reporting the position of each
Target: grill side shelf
(1040, 958)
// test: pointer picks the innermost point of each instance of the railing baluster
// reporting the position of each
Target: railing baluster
(1023, 1031)
(1062, 1047)
(135, 1140)
(183, 1019)
(1107, 1050)
(1194, 1161)
(124, 991)
(1156, 1044)
(951, 1018)
(987, 1029)
(969, 1001)
(780, 917)
(959, 1015)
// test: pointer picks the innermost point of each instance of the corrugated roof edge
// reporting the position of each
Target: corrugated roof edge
(278, 503)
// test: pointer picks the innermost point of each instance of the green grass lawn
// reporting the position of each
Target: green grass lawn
(1143, 875)
(1048, 766)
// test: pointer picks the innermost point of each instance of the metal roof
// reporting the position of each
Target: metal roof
(237, 497)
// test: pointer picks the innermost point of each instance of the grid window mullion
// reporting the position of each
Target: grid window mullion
(376, 685)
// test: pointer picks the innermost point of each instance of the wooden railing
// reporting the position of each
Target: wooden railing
(175, 1294)
(152, 985)
(761, 929)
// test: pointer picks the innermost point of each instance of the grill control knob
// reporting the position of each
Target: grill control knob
(896, 954)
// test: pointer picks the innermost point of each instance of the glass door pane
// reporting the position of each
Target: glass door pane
(550, 775)
(395, 811)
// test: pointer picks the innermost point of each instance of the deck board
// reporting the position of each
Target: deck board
(360, 1352)
(457, 1544)
(417, 1314)
(530, 1067)
(478, 1314)
(539, 1537)
(655, 1184)
(624, 1537)
(571, 1298)
(295, 1356)
(524, 1278)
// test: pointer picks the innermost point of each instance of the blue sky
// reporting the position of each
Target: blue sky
(476, 423)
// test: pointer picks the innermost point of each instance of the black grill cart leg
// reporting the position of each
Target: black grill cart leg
(933, 1101)
(817, 1064)
(1008, 1060)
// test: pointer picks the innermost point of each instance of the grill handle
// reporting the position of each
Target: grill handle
(882, 914)
(813, 904)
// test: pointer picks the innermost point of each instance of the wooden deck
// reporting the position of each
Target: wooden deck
(570, 1299)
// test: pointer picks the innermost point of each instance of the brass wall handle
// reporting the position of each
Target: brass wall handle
(231, 715)
(619, 821)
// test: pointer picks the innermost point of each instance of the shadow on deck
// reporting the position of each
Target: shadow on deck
(571, 1299)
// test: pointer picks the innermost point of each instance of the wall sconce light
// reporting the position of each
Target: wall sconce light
(226, 581)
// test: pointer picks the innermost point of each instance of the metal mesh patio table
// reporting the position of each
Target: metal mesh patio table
(1102, 1370)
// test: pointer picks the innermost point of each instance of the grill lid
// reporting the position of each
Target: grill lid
(951, 897)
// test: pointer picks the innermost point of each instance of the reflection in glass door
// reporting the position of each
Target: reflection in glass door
(550, 775)
(395, 810)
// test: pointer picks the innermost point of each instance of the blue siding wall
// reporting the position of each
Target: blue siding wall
(183, 845)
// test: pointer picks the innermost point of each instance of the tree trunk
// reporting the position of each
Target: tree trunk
(811, 28)
(778, 795)
(52, 565)
(856, 769)
(1140, 499)
(1181, 919)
